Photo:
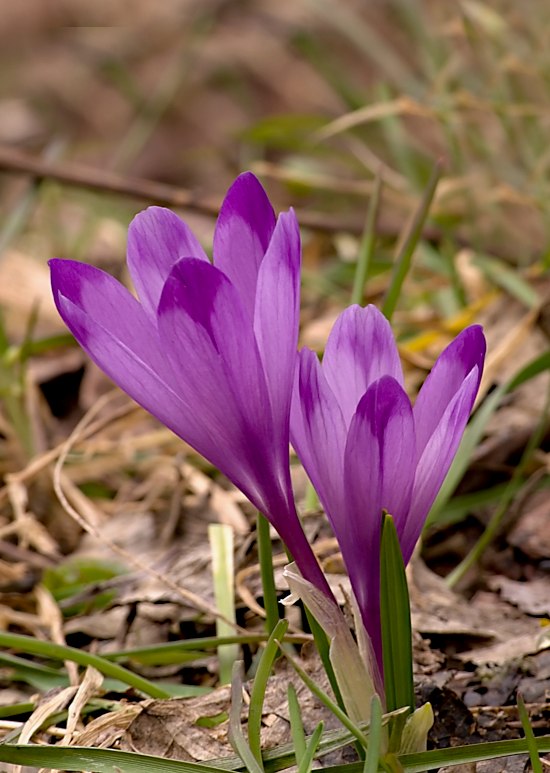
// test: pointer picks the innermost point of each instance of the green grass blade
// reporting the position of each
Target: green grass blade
(309, 756)
(16, 709)
(236, 735)
(259, 687)
(265, 555)
(327, 701)
(396, 621)
(95, 760)
(100, 760)
(366, 249)
(296, 725)
(536, 764)
(59, 652)
(412, 237)
(457, 755)
(221, 543)
(375, 737)
(174, 649)
(323, 648)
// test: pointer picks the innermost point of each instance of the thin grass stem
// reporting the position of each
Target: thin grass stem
(412, 237)
(495, 523)
(368, 241)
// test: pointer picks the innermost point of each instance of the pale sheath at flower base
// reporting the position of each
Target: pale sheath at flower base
(210, 350)
(367, 450)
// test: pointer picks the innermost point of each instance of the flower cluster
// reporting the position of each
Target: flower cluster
(210, 349)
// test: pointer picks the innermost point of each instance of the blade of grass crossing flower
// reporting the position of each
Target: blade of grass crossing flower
(375, 736)
(395, 620)
(265, 555)
(259, 687)
(236, 735)
(296, 725)
(536, 764)
(476, 428)
(323, 648)
(313, 743)
(495, 522)
(33, 646)
(221, 544)
(326, 700)
(412, 236)
(368, 241)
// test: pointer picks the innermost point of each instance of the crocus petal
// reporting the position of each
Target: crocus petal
(208, 336)
(114, 330)
(243, 232)
(436, 459)
(276, 317)
(317, 431)
(379, 467)
(453, 365)
(360, 349)
(209, 341)
(157, 238)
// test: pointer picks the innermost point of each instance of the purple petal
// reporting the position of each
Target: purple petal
(318, 432)
(112, 327)
(157, 238)
(208, 338)
(378, 475)
(243, 232)
(360, 350)
(379, 454)
(453, 365)
(436, 459)
(276, 318)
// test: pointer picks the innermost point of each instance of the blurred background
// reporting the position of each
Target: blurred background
(316, 96)
(107, 107)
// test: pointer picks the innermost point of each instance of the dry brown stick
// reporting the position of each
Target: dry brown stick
(82, 176)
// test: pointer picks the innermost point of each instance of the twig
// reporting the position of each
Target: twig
(82, 176)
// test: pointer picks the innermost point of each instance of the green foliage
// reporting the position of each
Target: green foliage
(53, 651)
(396, 621)
(76, 575)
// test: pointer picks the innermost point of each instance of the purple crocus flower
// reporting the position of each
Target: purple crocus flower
(210, 350)
(367, 450)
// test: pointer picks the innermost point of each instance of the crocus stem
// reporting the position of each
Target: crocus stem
(265, 555)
